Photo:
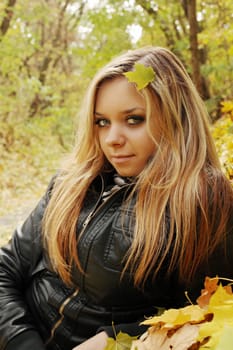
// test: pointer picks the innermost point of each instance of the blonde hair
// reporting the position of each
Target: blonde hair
(183, 200)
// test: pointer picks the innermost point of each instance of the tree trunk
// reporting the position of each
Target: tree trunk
(197, 77)
(193, 32)
(7, 18)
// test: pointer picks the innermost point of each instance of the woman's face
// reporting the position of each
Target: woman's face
(120, 118)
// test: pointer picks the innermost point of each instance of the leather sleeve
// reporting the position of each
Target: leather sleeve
(26, 341)
(17, 261)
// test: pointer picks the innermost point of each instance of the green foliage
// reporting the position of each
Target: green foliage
(51, 51)
(222, 131)
(105, 33)
(47, 57)
(216, 22)
(31, 156)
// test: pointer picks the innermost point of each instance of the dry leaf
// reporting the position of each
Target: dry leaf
(182, 339)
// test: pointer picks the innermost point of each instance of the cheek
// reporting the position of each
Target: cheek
(146, 143)
(100, 138)
(149, 148)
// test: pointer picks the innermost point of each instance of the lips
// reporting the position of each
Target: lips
(121, 158)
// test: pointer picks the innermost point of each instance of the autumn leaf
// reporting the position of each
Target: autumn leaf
(174, 317)
(123, 341)
(221, 305)
(188, 328)
(182, 339)
(142, 75)
(210, 285)
(226, 339)
(220, 298)
(227, 107)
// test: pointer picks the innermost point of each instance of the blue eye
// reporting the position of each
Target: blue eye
(135, 119)
(101, 122)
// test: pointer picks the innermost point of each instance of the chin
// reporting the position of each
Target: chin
(126, 174)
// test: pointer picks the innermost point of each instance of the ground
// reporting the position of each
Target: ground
(13, 218)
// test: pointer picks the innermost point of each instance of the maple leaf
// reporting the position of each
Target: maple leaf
(123, 341)
(210, 285)
(175, 317)
(141, 75)
(194, 327)
(182, 339)
(226, 339)
(221, 305)
(221, 297)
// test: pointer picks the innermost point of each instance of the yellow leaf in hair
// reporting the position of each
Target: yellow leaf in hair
(141, 75)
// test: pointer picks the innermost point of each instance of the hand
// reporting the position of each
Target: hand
(98, 342)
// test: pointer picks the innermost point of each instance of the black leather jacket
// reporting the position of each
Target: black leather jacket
(37, 310)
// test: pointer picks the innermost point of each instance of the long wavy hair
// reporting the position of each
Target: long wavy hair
(183, 180)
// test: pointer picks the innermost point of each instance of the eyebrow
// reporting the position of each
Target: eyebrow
(123, 112)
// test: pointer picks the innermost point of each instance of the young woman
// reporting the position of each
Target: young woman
(139, 214)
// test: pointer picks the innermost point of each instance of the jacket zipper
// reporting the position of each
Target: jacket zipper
(84, 225)
(96, 209)
(61, 310)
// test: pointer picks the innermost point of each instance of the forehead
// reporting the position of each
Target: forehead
(118, 93)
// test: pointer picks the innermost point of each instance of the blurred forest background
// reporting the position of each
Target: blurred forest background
(49, 51)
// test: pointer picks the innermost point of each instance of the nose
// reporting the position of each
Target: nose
(115, 136)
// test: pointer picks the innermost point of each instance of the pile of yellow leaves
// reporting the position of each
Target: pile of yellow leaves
(207, 325)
